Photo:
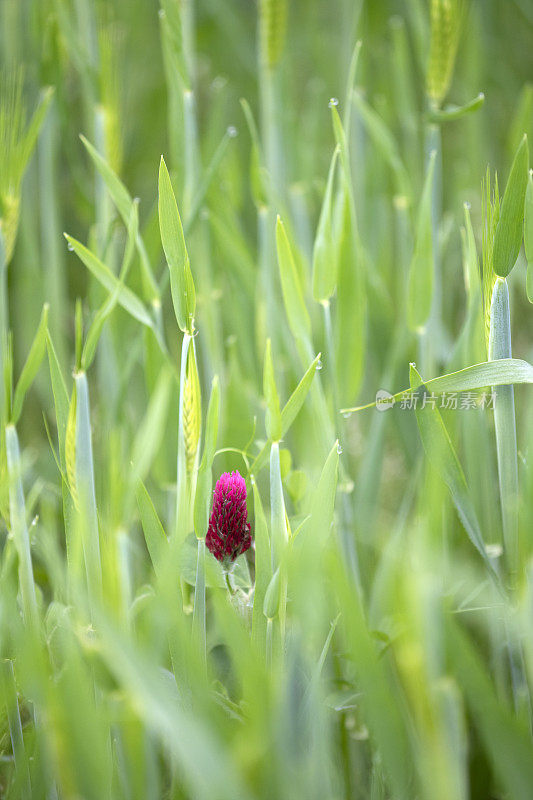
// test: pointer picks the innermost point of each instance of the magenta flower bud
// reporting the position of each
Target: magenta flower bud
(228, 534)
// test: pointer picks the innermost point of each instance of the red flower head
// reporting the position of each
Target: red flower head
(228, 534)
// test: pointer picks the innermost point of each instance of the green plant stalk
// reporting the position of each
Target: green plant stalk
(339, 432)
(199, 615)
(433, 329)
(103, 204)
(505, 427)
(182, 489)
(19, 528)
(191, 178)
(269, 648)
(279, 533)
(4, 314)
(272, 148)
(124, 576)
(332, 366)
(87, 518)
(507, 455)
(52, 254)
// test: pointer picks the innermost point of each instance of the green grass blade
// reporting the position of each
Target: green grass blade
(154, 534)
(295, 308)
(125, 206)
(324, 248)
(104, 312)
(181, 282)
(20, 755)
(317, 529)
(385, 143)
(504, 737)
(126, 298)
(505, 425)
(263, 569)
(290, 411)
(478, 376)
(19, 529)
(278, 522)
(508, 235)
(528, 235)
(151, 429)
(441, 454)
(202, 500)
(421, 277)
(273, 415)
(31, 367)
(87, 518)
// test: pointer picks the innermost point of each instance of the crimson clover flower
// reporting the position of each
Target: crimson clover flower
(228, 534)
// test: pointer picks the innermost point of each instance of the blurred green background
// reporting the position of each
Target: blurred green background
(396, 668)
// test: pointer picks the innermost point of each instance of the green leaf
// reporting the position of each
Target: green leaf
(84, 470)
(273, 596)
(385, 143)
(278, 519)
(181, 282)
(61, 397)
(420, 281)
(126, 298)
(317, 528)
(506, 740)
(258, 176)
(380, 701)
(19, 529)
(441, 454)
(351, 289)
(124, 204)
(489, 373)
(33, 362)
(290, 411)
(528, 235)
(104, 312)
(505, 425)
(154, 534)
(151, 429)
(12, 710)
(351, 309)
(452, 112)
(324, 250)
(508, 236)
(119, 194)
(297, 315)
(263, 568)
(273, 416)
(292, 407)
(35, 126)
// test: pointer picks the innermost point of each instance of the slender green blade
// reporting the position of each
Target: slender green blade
(528, 235)
(295, 308)
(441, 454)
(324, 248)
(421, 277)
(204, 483)
(508, 235)
(33, 362)
(126, 298)
(273, 415)
(181, 282)
(478, 376)
(154, 534)
(263, 568)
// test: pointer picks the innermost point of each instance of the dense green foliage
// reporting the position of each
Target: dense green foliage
(272, 211)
